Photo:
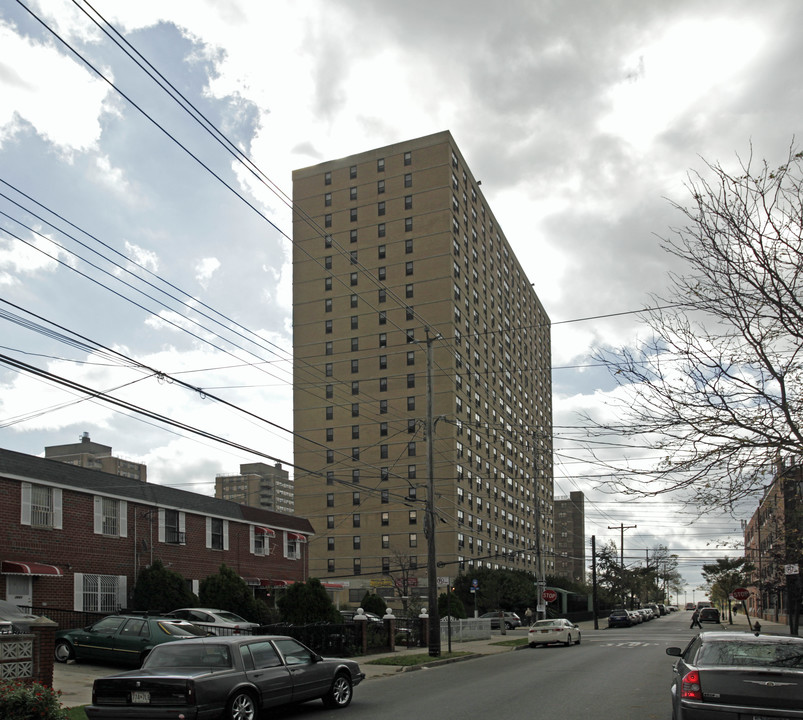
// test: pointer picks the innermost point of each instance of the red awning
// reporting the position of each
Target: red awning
(297, 536)
(265, 531)
(16, 567)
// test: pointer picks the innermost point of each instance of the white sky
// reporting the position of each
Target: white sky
(581, 119)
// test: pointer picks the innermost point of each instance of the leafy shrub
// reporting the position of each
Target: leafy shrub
(26, 701)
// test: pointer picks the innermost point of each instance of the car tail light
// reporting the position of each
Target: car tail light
(236, 629)
(690, 686)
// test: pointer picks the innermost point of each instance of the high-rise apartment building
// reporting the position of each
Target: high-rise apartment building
(258, 485)
(89, 454)
(570, 536)
(396, 252)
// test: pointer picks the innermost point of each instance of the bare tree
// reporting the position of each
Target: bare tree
(716, 389)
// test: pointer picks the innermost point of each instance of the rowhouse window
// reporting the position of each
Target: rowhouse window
(216, 533)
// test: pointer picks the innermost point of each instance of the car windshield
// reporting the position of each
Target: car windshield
(199, 654)
(231, 617)
(547, 623)
(184, 629)
(755, 654)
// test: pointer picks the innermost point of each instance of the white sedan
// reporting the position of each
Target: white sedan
(559, 630)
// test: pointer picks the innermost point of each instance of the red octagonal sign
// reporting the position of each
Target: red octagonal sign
(549, 595)
(741, 594)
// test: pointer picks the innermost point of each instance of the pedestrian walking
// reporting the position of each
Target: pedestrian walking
(529, 615)
(695, 620)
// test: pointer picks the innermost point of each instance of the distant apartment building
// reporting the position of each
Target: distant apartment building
(570, 541)
(397, 254)
(773, 544)
(258, 485)
(92, 455)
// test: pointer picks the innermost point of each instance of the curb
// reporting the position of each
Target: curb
(437, 663)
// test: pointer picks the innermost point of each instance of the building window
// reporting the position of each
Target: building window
(412, 517)
(385, 541)
(383, 429)
(380, 165)
(355, 520)
(384, 473)
(354, 300)
(382, 273)
(353, 257)
(380, 187)
(411, 449)
(353, 279)
(327, 220)
(327, 283)
(411, 425)
(353, 214)
(384, 518)
(411, 472)
(383, 384)
(355, 454)
(101, 593)
(383, 407)
(408, 180)
(327, 178)
(408, 290)
(173, 524)
(409, 313)
(329, 369)
(383, 295)
(107, 516)
(381, 251)
(216, 533)
(408, 224)
(330, 456)
(355, 366)
(383, 452)
(357, 566)
(328, 327)
(330, 519)
(380, 230)
(380, 208)
(352, 193)
(330, 391)
(383, 362)
(384, 497)
(330, 434)
(353, 172)
(413, 540)
(408, 268)
(327, 199)
(408, 158)
(411, 402)
(355, 387)
(408, 246)
(355, 322)
(383, 340)
(413, 560)
(355, 474)
(330, 477)
(355, 344)
(408, 202)
(355, 498)
(330, 544)
(411, 357)
(327, 262)
(355, 432)
(356, 542)
(353, 235)
(330, 499)
(330, 565)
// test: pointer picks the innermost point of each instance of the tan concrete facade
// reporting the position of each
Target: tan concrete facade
(258, 485)
(391, 247)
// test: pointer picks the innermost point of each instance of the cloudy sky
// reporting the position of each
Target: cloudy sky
(581, 118)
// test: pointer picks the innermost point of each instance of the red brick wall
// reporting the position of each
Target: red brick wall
(77, 549)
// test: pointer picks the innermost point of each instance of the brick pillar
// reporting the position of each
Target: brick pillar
(44, 632)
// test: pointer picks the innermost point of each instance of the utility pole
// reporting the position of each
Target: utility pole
(594, 580)
(432, 570)
(622, 527)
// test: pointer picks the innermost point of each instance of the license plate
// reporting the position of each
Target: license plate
(545, 631)
(140, 696)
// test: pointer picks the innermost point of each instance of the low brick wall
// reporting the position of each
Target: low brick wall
(29, 656)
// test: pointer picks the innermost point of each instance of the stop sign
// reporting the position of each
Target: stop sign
(741, 594)
(549, 595)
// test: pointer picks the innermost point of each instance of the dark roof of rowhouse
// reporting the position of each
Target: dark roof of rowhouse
(30, 467)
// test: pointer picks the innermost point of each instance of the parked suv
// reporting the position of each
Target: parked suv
(709, 614)
(511, 619)
(619, 618)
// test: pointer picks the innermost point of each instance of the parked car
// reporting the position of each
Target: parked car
(636, 617)
(220, 622)
(234, 677)
(511, 619)
(348, 616)
(548, 632)
(738, 674)
(691, 606)
(619, 618)
(124, 639)
(709, 614)
(14, 620)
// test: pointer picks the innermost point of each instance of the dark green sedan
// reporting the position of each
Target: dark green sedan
(122, 639)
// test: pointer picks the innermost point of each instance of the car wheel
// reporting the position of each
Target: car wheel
(339, 695)
(533, 645)
(509, 626)
(63, 651)
(568, 641)
(241, 707)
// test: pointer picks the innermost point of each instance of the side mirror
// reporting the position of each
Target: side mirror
(674, 651)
